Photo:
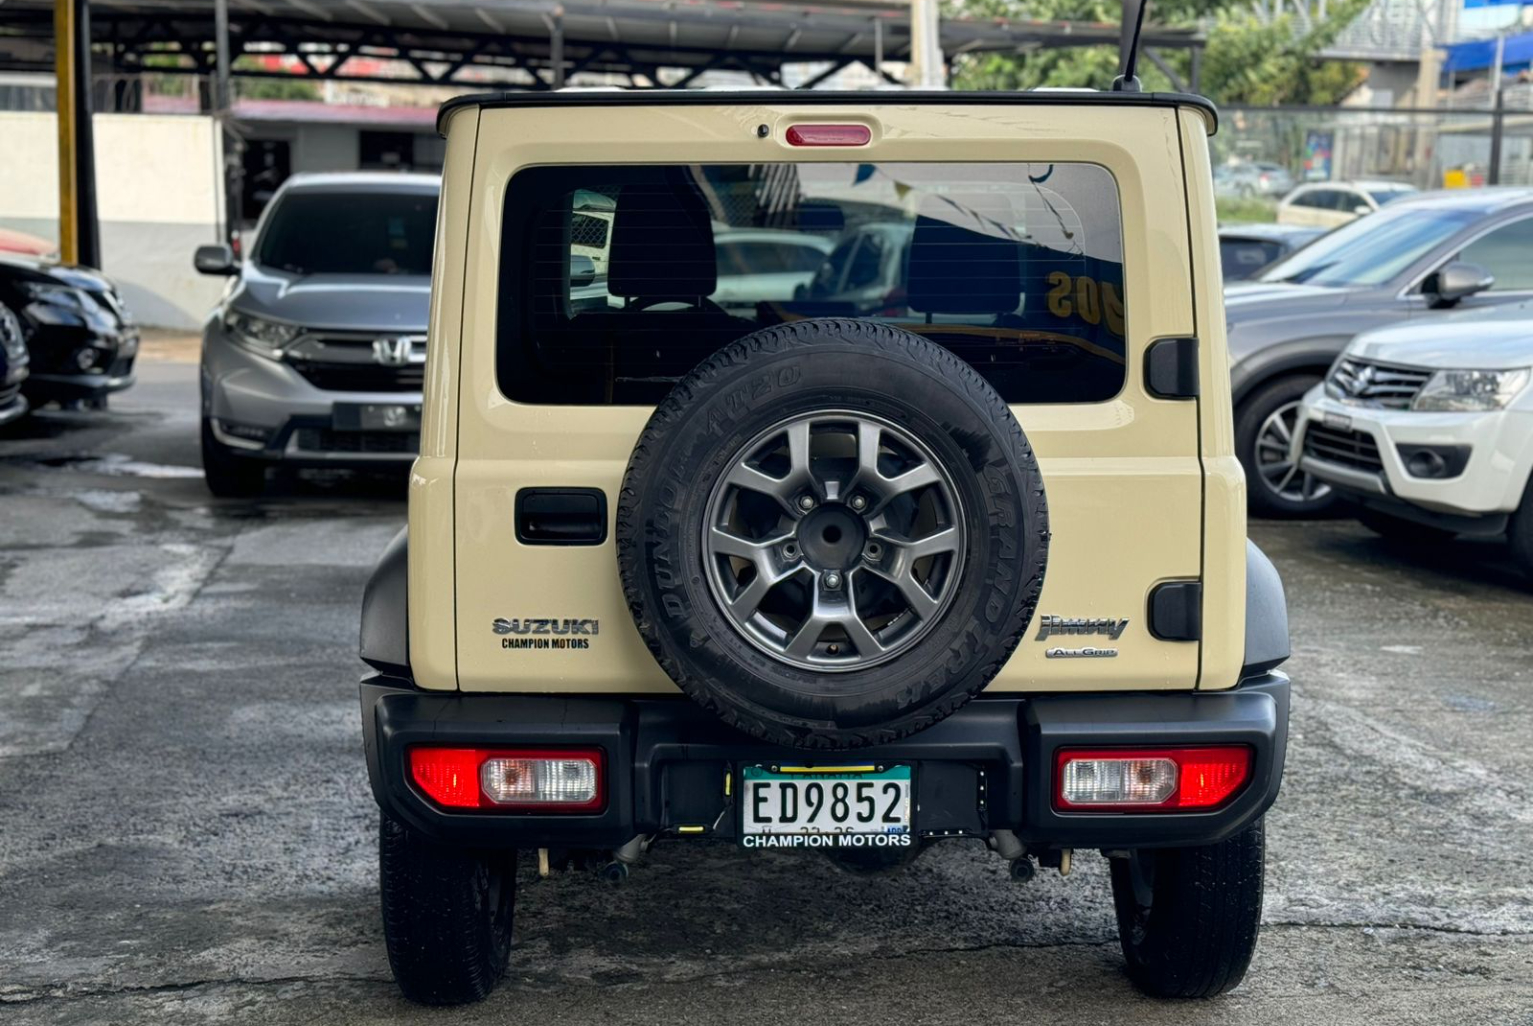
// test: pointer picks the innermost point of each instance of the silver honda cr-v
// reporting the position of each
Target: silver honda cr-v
(315, 354)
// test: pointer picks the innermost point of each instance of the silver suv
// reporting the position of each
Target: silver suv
(315, 355)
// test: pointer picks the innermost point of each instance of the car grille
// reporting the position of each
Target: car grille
(1349, 448)
(1364, 383)
(358, 442)
(361, 377)
(353, 362)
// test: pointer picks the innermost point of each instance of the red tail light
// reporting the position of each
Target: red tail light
(528, 779)
(1149, 779)
(829, 135)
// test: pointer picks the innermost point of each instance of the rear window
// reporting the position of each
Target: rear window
(350, 233)
(616, 281)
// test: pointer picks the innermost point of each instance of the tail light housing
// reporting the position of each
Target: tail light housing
(1188, 779)
(547, 780)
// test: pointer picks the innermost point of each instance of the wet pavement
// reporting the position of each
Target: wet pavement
(186, 833)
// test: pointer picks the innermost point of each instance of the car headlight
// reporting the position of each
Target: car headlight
(1470, 390)
(55, 295)
(260, 336)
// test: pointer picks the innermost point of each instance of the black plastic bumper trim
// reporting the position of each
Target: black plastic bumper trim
(984, 768)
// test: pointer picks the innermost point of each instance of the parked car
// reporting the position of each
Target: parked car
(81, 338)
(1419, 256)
(315, 355)
(675, 574)
(1252, 179)
(1244, 249)
(864, 273)
(1428, 428)
(762, 265)
(13, 367)
(1332, 204)
(12, 241)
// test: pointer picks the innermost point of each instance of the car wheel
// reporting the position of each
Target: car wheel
(447, 915)
(1402, 532)
(832, 533)
(229, 476)
(1519, 531)
(1264, 429)
(1188, 918)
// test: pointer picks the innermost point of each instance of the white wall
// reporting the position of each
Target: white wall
(159, 194)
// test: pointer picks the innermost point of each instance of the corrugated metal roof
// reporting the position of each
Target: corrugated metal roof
(671, 33)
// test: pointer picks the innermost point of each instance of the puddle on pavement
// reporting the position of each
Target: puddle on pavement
(112, 464)
(100, 500)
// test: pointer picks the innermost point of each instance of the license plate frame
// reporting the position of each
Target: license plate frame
(376, 417)
(785, 806)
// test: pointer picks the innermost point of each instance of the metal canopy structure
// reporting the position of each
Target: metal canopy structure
(547, 41)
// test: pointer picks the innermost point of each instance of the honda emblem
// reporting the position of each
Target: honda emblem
(393, 352)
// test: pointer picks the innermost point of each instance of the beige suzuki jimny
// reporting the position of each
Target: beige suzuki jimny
(830, 474)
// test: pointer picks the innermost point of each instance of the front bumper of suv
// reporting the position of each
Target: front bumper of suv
(671, 765)
(266, 409)
(1364, 453)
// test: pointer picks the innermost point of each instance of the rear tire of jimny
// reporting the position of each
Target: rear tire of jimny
(1188, 918)
(447, 915)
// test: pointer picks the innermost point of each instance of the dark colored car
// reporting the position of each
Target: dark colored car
(13, 367)
(1418, 256)
(1244, 249)
(81, 338)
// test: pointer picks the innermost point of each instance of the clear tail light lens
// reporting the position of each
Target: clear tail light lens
(543, 780)
(1150, 779)
(539, 781)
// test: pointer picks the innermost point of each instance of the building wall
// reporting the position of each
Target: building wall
(159, 195)
(326, 148)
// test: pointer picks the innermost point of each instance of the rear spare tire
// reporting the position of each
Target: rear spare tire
(832, 533)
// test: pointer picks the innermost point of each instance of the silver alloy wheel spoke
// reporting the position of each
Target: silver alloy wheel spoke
(1275, 463)
(834, 584)
(921, 601)
(934, 544)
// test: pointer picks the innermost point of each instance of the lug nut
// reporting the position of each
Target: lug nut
(873, 550)
(832, 580)
(858, 503)
(806, 502)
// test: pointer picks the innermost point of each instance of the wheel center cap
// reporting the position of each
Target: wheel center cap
(832, 538)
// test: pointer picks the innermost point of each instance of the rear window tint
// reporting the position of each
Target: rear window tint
(616, 281)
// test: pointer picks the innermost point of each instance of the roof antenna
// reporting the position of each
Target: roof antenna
(1128, 46)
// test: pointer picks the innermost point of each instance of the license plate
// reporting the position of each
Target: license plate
(1339, 421)
(376, 417)
(825, 807)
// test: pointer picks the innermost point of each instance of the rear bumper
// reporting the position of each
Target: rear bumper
(985, 768)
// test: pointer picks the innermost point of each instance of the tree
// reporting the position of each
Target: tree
(1247, 59)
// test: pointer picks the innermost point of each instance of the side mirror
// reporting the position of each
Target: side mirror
(218, 260)
(1455, 281)
(1362, 208)
(582, 270)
